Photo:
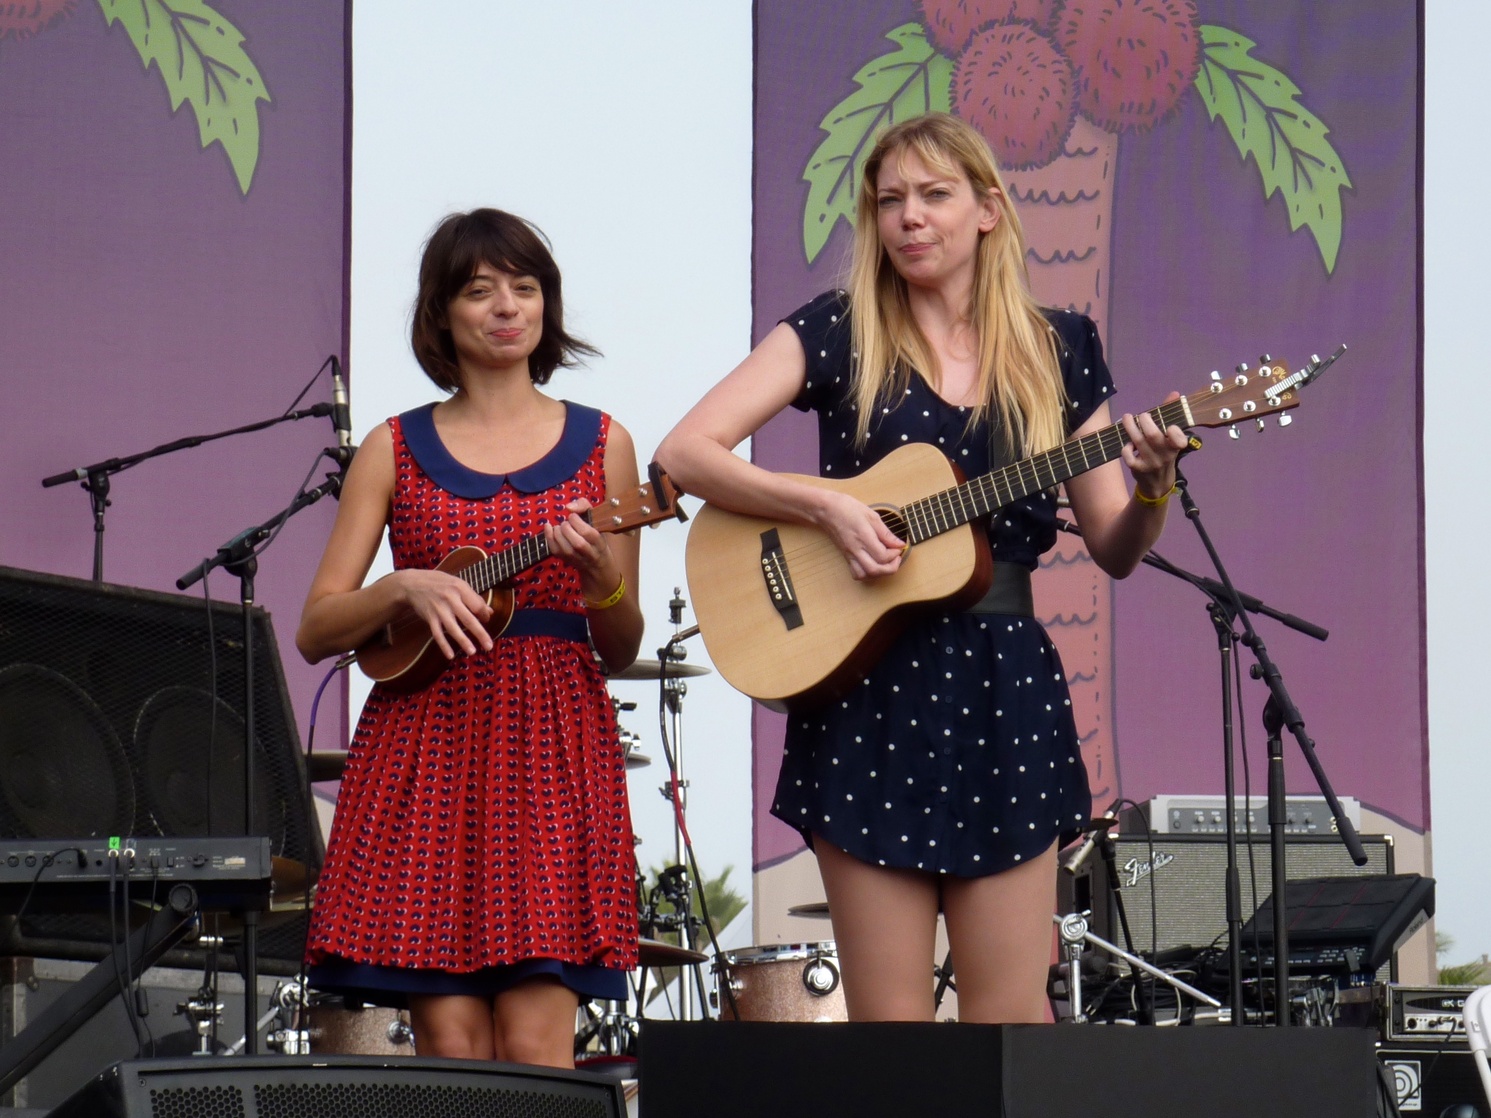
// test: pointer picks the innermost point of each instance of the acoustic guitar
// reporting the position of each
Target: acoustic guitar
(405, 658)
(785, 622)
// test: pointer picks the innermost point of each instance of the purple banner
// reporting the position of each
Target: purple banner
(1253, 190)
(174, 250)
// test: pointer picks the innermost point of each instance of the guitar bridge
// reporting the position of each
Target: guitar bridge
(779, 579)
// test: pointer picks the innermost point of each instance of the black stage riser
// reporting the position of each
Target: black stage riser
(341, 1087)
(758, 1070)
(118, 716)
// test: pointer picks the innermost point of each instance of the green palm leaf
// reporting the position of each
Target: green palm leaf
(910, 80)
(201, 57)
(1260, 108)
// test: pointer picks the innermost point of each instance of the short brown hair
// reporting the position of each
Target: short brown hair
(461, 244)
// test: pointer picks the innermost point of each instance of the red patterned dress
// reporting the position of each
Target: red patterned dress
(482, 832)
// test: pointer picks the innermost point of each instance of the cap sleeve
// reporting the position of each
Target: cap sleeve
(1084, 371)
(822, 326)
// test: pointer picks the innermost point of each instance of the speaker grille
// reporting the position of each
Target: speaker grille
(121, 713)
(341, 1087)
(1189, 880)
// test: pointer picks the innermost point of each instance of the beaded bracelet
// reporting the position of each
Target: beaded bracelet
(1153, 502)
(612, 600)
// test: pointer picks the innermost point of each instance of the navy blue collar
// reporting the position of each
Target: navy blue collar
(582, 426)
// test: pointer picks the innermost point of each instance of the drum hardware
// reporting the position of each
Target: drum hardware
(325, 764)
(654, 670)
(797, 982)
(203, 1011)
(816, 910)
(657, 953)
(1075, 932)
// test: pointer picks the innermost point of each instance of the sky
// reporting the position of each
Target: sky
(625, 134)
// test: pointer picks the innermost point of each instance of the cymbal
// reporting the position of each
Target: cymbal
(816, 910)
(650, 669)
(287, 878)
(656, 953)
(637, 760)
(325, 764)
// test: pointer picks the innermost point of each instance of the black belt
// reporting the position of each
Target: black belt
(1008, 593)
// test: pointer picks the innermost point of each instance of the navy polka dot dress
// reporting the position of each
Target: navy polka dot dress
(482, 823)
(958, 753)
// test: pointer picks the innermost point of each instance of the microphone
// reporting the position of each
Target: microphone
(1097, 829)
(341, 415)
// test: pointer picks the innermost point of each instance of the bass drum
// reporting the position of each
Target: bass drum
(335, 1028)
(782, 982)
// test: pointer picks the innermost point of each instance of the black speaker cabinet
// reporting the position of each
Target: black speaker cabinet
(341, 1087)
(1177, 888)
(892, 1070)
(122, 713)
(1430, 1079)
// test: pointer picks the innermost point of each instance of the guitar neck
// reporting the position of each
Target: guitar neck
(952, 508)
(497, 568)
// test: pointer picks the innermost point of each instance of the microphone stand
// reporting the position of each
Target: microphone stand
(1225, 603)
(1283, 713)
(239, 558)
(95, 478)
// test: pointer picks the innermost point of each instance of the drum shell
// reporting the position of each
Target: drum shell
(337, 1029)
(796, 982)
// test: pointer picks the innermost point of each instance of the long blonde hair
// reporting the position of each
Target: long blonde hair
(1019, 373)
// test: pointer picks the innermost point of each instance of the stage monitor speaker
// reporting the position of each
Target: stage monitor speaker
(1189, 877)
(121, 713)
(341, 1087)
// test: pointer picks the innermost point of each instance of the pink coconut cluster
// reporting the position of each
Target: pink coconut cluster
(1024, 69)
(24, 18)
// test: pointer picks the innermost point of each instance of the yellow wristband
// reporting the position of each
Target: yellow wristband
(1153, 502)
(612, 600)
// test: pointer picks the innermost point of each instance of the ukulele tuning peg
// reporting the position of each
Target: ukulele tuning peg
(1242, 367)
(1265, 359)
(1262, 423)
(1215, 375)
(1232, 432)
(1285, 419)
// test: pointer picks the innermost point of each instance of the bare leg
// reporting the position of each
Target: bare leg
(452, 1025)
(534, 1023)
(999, 928)
(885, 927)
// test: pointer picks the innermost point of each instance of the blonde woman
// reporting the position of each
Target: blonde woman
(946, 780)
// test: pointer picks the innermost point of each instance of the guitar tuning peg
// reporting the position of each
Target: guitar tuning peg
(1232, 432)
(1285, 419)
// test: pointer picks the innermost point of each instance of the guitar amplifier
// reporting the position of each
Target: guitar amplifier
(1174, 887)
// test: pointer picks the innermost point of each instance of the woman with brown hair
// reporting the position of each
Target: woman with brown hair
(480, 866)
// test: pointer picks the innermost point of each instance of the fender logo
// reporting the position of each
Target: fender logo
(1136, 870)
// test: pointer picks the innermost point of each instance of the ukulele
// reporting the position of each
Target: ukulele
(404, 657)
(784, 620)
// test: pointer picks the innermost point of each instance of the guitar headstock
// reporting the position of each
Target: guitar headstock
(651, 502)
(1268, 390)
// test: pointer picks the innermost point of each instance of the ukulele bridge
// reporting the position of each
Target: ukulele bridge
(778, 579)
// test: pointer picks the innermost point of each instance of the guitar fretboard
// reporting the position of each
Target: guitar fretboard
(941, 512)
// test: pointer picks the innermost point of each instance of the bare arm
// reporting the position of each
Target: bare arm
(1117, 528)
(340, 613)
(697, 454)
(607, 561)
